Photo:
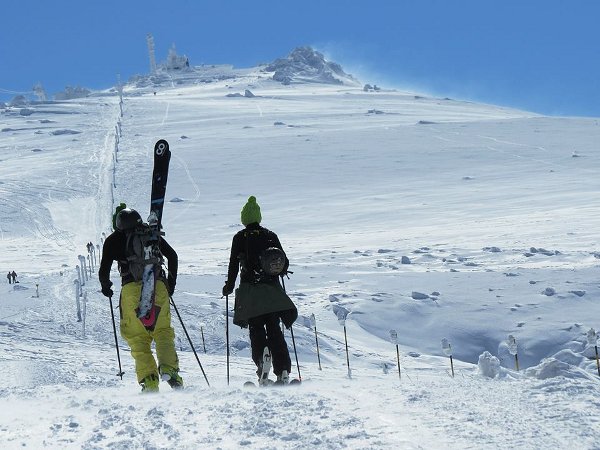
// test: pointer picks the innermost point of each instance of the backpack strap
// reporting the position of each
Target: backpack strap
(247, 262)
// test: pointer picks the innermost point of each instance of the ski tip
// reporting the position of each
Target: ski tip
(161, 147)
(249, 384)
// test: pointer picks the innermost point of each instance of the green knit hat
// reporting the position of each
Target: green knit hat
(251, 212)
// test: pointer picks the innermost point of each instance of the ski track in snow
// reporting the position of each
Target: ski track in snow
(166, 116)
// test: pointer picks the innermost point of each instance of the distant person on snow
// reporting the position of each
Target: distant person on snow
(14, 277)
(9, 276)
(125, 245)
(260, 300)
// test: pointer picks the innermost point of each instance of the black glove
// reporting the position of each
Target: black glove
(227, 290)
(106, 290)
(171, 282)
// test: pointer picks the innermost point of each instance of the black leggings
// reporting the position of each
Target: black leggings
(265, 331)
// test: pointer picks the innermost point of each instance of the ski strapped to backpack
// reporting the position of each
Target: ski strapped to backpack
(138, 241)
(147, 311)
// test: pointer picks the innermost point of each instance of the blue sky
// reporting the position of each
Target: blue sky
(539, 55)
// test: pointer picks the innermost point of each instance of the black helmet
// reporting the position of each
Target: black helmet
(272, 261)
(128, 219)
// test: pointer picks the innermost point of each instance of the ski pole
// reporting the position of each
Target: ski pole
(295, 352)
(112, 314)
(592, 337)
(398, 357)
(227, 333)
(447, 349)
(202, 334)
(292, 333)
(394, 340)
(314, 323)
(342, 315)
(189, 340)
(318, 354)
(512, 349)
(347, 356)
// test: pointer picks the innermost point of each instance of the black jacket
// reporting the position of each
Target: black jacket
(114, 249)
(246, 247)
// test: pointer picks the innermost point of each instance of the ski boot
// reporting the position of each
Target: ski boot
(171, 376)
(264, 368)
(150, 383)
(283, 378)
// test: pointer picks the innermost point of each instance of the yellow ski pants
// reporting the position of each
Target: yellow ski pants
(140, 339)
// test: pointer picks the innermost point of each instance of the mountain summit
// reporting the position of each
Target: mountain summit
(305, 64)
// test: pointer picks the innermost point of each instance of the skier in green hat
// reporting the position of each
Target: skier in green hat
(260, 300)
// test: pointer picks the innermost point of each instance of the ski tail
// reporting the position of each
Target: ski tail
(265, 368)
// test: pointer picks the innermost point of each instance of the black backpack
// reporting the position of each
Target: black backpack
(137, 241)
(272, 261)
(262, 258)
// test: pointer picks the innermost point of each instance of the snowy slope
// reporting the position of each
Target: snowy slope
(493, 208)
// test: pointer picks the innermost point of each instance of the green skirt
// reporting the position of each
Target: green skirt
(257, 299)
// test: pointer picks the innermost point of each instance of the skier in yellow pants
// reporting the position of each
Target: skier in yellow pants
(126, 247)
(140, 339)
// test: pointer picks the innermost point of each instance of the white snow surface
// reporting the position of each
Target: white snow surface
(432, 217)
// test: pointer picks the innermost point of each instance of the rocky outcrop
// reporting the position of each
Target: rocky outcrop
(305, 64)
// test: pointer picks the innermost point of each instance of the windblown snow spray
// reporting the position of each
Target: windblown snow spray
(512, 349)
(592, 337)
(447, 349)
(394, 340)
(313, 323)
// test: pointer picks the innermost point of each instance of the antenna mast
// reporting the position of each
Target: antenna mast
(150, 41)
